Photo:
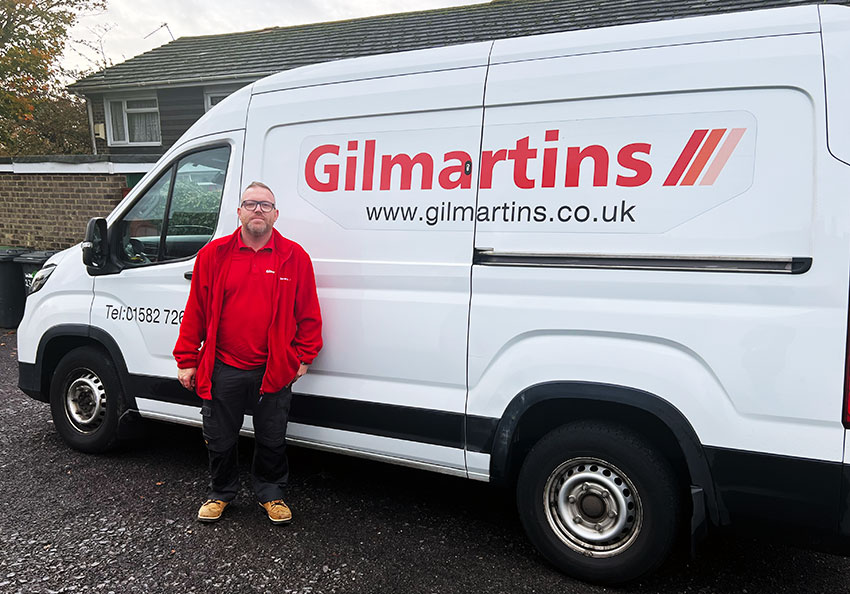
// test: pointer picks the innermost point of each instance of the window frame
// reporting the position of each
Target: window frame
(219, 91)
(123, 99)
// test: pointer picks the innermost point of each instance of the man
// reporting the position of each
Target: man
(251, 328)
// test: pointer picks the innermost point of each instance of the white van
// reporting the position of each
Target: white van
(610, 267)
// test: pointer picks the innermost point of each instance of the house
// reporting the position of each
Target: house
(143, 105)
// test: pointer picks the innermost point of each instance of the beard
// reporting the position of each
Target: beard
(258, 227)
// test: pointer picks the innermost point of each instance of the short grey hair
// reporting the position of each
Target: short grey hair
(256, 184)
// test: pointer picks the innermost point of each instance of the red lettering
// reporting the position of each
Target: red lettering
(368, 164)
(406, 163)
(463, 181)
(550, 160)
(324, 175)
(330, 170)
(488, 160)
(575, 155)
(626, 158)
(351, 166)
(521, 155)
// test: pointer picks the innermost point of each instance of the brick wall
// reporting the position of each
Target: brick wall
(49, 211)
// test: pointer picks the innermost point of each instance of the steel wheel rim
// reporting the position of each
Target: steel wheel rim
(85, 401)
(593, 507)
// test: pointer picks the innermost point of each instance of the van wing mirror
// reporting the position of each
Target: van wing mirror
(95, 246)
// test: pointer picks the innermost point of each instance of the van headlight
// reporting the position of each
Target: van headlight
(41, 277)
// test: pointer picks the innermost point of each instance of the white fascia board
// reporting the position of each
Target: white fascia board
(71, 168)
(155, 85)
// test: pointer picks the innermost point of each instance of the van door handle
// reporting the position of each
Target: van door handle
(187, 275)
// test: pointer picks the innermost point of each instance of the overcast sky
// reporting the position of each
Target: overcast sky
(130, 27)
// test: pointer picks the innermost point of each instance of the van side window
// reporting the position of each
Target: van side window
(178, 214)
(141, 228)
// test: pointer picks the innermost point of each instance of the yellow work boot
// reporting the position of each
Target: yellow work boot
(211, 510)
(278, 511)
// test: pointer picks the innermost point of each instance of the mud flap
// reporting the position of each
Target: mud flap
(699, 525)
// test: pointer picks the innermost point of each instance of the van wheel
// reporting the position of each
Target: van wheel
(599, 502)
(85, 397)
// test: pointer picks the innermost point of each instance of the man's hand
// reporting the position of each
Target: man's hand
(187, 377)
(301, 371)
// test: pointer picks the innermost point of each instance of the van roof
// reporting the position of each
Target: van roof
(761, 23)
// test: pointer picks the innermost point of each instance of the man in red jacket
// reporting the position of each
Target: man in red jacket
(252, 327)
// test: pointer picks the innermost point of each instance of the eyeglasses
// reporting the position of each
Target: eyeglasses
(253, 205)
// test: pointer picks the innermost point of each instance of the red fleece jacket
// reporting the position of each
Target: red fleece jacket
(295, 333)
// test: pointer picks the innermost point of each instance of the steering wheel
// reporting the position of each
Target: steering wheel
(134, 251)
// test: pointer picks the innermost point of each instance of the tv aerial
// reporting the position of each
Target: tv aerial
(165, 26)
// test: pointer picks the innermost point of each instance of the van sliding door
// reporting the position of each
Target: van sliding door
(665, 217)
(374, 178)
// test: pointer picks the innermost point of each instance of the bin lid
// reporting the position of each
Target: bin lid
(9, 254)
(36, 257)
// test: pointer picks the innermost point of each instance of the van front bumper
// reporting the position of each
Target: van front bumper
(29, 381)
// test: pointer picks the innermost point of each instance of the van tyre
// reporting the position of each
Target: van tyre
(85, 398)
(599, 502)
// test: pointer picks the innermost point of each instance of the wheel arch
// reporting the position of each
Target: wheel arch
(539, 409)
(59, 340)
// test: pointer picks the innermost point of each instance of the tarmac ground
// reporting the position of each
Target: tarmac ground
(125, 523)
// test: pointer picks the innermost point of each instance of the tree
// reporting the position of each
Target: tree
(33, 34)
(57, 125)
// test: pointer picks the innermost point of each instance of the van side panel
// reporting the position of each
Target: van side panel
(714, 158)
(359, 168)
(835, 22)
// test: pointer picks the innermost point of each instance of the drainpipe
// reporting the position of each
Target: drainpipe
(91, 126)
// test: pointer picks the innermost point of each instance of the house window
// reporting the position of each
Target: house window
(213, 99)
(214, 95)
(133, 121)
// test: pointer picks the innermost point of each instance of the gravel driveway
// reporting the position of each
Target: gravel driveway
(124, 523)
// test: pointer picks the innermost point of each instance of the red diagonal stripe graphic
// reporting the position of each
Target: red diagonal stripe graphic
(685, 158)
(703, 156)
(722, 156)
